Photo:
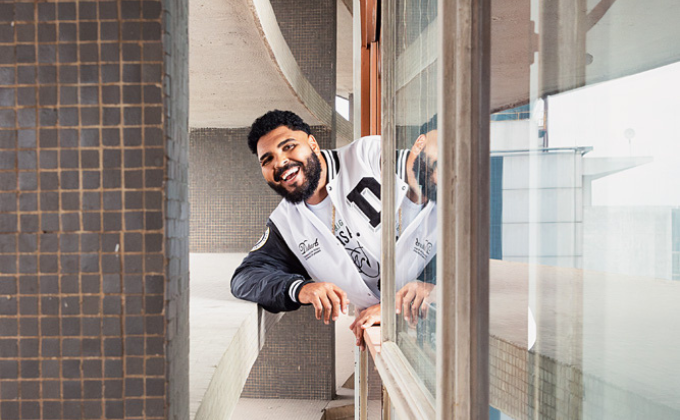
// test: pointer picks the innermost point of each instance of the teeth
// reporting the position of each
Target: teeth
(289, 173)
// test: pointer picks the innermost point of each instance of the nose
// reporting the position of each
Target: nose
(281, 162)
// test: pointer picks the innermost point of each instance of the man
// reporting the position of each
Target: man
(322, 242)
(416, 286)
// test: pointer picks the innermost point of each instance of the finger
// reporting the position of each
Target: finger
(360, 337)
(415, 306)
(357, 334)
(370, 321)
(344, 301)
(398, 301)
(318, 309)
(407, 304)
(327, 308)
(424, 308)
(335, 301)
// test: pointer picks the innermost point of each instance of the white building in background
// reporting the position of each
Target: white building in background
(603, 194)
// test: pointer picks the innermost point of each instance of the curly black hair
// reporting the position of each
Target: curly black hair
(429, 126)
(271, 121)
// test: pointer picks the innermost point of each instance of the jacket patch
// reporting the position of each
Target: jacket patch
(308, 248)
(422, 248)
(263, 240)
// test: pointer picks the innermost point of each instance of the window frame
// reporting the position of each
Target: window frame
(463, 217)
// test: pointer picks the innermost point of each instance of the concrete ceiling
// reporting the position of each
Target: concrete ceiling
(240, 65)
(233, 73)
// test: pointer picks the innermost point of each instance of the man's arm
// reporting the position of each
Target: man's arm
(270, 275)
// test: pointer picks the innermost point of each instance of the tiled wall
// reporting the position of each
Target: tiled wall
(525, 385)
(86, 269)
(230, 201)
(295, 362)
(309, 28)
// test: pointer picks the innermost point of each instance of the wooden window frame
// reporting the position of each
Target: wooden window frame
(463, 216)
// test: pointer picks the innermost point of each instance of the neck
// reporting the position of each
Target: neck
(320, 193)
(413, 193)
(415, 197)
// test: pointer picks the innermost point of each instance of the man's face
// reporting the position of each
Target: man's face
(425, 167)
(289, 163)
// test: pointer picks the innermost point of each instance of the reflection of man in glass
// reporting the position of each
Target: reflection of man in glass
(416, 231)
(415, 297)
(422, 165)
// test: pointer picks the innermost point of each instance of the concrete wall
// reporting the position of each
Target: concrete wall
(93, 211)
(176, 107)
(297, 360)
(309, 28)
(634, 241)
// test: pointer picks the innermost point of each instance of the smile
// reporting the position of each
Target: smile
(289, 176)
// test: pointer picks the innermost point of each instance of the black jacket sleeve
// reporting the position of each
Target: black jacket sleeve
(267, 272)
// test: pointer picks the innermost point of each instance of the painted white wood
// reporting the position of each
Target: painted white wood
(409, 399)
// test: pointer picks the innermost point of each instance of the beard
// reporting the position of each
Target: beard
(312, 172)
(424, 168)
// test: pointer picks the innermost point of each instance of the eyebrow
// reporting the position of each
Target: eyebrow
(266, 155)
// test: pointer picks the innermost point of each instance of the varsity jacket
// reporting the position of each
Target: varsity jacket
(297, 247)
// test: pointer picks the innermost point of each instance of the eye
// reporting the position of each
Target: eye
(288, 147)
(265, 162)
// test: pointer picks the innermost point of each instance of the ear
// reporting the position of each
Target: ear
(419, 144)
(313, 144)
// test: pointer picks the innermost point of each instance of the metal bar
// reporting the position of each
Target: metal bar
(598, 13)
(387, 286)
(365, 91)
(562, 58)
(386, 405)
(374, 93)
(463, 210)
(582, 150)
(356, 52)
(363, 384)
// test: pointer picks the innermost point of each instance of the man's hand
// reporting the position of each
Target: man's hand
(367, 318)
(328, 300)
(414, 299)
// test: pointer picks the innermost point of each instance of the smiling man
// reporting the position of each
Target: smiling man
(321, 245)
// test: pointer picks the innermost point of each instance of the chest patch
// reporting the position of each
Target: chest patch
(309, 248)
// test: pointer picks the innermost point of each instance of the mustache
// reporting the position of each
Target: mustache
(279, 172)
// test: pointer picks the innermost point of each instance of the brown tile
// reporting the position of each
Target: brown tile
(93, 369)
(89, 116)
(113, 368)
(87, 10)
(9, 410)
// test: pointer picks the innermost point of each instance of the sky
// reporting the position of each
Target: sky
(637, 115)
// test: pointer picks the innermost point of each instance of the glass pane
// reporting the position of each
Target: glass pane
(416, 140)
(585, 214)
